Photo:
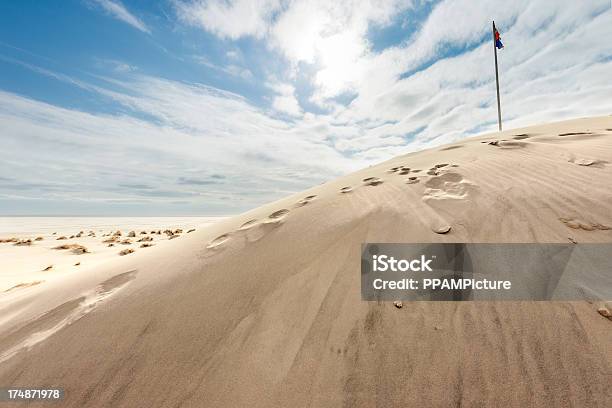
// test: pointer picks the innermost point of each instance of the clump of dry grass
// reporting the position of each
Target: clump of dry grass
(146, 245)
(109, 240)
(62, 237)
(126, 252)
(126, 242)
(145, 239)
(48, 268)
(75, 248)
(38, 239)
(131, 234)
(23, 242)
(191, 230)
(7, 240)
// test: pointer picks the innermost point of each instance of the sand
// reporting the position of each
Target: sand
(46, 257)
(264, 309)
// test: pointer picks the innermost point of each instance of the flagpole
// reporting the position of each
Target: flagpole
(499, 123)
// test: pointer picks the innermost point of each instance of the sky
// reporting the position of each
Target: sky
(196, 107)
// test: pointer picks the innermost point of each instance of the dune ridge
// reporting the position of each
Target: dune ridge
(264, 309)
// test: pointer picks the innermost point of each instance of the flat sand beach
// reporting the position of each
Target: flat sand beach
(263, 309)
(43, 249)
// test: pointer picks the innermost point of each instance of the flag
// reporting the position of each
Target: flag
(498, 42)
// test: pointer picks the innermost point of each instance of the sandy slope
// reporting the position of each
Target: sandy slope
(269, 313)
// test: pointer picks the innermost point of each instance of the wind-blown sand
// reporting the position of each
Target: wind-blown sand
(264, 309)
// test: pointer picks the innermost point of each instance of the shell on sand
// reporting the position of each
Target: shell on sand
(441, 229)
(605, 312)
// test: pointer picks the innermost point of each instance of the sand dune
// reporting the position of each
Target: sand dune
(264, 309)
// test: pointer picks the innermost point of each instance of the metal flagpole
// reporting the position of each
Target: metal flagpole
(497, 81)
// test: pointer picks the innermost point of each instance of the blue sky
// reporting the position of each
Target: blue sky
(180, 107)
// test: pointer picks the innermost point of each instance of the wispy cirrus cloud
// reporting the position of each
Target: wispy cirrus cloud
(117, 10)
(321, 95)
(229, 69)
(189, 146)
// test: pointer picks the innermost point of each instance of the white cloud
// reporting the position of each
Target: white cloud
(116, 9)
(434, 87)
(230, 69)
(285, 101)
(333, 36)
(196, 132)
(229, 19)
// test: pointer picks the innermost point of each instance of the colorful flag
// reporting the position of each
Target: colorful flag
(498, 42)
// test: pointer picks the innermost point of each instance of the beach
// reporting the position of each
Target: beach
(263, 309)
(86, 239)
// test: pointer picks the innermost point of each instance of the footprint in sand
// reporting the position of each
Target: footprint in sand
(250, 231)
(412, 180)
(247, 225)
(393, 169)
(305, 200)
(575, 223)
(585, 161)
(257, 230)
(448, 186)
(600, 164)
(522, 136)
(346, 189)
(372, 181)
(217, 242)
(277, 215)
